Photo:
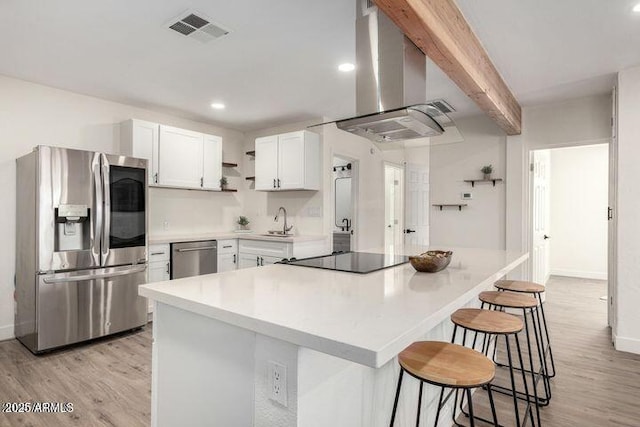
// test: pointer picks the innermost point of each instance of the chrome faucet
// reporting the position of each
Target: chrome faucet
(285, 229)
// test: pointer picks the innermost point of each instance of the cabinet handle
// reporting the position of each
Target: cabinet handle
(155, 178)
(274, 183)
(278, 182)
(227, 246)
(262, 261)
(201, 182)
(168, 268)
(234, 258)
(257, 261)
(157, 253)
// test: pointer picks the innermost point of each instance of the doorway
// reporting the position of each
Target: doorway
(345, 173)
(569, 221)
(393, 205)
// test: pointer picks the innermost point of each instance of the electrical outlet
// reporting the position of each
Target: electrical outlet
(466, 196)
(277, 383)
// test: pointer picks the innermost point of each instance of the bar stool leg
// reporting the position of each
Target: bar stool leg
(533, 375)
(513, 381)
(440, 407)
(419, 405)
(546, 331)
(543, 363)
(395, 402)
(493, 407)
(471, 417)
(524, 381)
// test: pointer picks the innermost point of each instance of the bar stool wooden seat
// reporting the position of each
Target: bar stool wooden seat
(528, 305)
(448, 366)
(496, 323)
(536, 290)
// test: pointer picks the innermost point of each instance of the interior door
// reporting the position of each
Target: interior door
(180, 158)
(393, 211)
(613, 221)
(291, 161)
(417, 205)
(541, 160)
(266, 163)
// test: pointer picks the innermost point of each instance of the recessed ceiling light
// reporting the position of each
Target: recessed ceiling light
(346, 67)
(218, 106)
(636, 8)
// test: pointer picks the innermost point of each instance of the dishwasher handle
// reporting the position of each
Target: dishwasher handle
(204, 248)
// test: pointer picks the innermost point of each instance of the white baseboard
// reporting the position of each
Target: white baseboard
(630, 345)
(6, 332)
(595, 275)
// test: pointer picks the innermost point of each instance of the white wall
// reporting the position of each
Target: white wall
(627, 335)
(482, 222)
(578, 224)
(32, 114)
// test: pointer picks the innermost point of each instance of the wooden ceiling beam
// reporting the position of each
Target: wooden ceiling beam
(440, 30)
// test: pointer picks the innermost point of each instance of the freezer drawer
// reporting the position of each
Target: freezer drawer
(82, 305)
(193, 258)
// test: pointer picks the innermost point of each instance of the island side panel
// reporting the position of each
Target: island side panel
(204, 371)
(340, 393)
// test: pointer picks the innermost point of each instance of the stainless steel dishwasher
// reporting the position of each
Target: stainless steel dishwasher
(193, 258)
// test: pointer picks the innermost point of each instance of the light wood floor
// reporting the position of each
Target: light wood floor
(109, 381)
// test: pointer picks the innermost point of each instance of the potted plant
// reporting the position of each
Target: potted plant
(243, 221)
(487, 170)
(223, 183)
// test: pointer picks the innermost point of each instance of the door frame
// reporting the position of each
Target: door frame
(355, 192)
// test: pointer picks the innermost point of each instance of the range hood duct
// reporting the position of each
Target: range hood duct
(391, 83)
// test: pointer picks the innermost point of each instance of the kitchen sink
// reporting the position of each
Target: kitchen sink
(277, 234)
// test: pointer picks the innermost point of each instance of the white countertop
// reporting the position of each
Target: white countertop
(364, 318)
(159, 240)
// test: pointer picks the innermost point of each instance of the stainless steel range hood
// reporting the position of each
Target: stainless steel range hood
(391, 82)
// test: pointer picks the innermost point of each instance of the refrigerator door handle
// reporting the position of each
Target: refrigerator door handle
(99, 209)
(106, 194)
(83, 277)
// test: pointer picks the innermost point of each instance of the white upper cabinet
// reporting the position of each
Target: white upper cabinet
(140, 139)
(181, 154)
(266, 163)
(178, 158)
(211, 162)
(289, 161)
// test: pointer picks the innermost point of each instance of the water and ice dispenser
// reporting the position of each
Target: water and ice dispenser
(72, 228)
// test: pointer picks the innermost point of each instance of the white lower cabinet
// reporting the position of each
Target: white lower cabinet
(258, 253)
(227, 255)
(159, 265)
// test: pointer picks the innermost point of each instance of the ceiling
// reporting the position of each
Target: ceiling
(279, 62)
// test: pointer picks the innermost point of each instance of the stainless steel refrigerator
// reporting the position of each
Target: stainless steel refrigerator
(81, 246)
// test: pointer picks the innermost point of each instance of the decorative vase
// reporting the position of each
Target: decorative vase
(487, 176)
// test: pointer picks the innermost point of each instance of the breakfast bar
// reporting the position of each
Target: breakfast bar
(288, 345)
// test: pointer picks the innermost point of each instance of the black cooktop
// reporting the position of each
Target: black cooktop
(352, 262)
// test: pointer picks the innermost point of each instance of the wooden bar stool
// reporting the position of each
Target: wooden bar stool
(447, 366)
(528, 304)
(536, 290)
(496, 323)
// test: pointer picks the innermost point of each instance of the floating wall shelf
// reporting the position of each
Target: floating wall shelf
(229, 165)
(473, 181)
(457, 205)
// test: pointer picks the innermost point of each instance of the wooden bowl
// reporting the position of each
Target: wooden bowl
(431, 261)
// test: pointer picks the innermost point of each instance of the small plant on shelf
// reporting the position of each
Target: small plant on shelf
(487, 171)
(223, 183)
(243, 222)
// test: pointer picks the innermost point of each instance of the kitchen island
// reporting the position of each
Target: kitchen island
(332, 338)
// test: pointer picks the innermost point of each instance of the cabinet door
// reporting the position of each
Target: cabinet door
(291, 161)
(212, 162)
(145, 146)
(159, 271)
(180, 158)
(268, 260)
(267, 163)
(248, 260)
(227, 262)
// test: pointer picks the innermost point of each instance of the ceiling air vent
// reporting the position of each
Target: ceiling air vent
(197, 26)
